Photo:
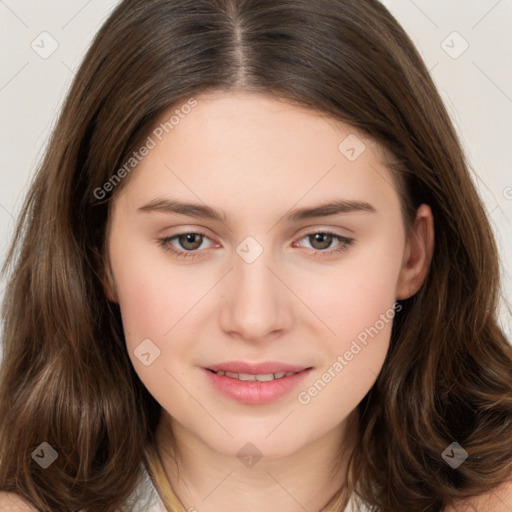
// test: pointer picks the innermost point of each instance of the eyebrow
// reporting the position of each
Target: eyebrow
(201, 211)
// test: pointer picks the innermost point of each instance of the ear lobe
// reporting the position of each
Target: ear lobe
(417, 255)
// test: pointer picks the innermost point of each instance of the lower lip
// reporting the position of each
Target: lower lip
(255, 392)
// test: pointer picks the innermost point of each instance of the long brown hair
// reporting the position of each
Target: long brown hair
(66, 378)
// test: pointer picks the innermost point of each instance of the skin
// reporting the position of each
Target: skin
(255, 158)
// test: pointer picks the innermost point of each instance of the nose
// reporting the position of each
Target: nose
(257, 304)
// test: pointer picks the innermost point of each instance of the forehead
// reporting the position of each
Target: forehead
(254, 147)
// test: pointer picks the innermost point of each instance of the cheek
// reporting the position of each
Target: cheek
(358, 306)
(150, 298)
(355, 295)
(154, 300)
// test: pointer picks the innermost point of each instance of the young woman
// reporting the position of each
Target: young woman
(253, 273)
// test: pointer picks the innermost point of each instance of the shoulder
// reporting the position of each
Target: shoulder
(496, 500)
(11, 502)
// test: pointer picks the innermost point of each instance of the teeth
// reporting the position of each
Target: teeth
(246, 376)
(267, 377)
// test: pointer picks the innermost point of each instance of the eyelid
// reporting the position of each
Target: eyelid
(310, 230)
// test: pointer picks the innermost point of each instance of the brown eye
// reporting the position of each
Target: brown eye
(323, 240)
(190, 241)
(322, 243)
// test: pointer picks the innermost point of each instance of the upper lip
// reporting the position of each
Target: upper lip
(262, 368)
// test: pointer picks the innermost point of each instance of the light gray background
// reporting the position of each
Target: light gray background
(476, 86)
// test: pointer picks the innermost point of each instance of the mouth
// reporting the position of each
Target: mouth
(255, 384)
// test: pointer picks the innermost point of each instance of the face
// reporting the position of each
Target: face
(270, 284)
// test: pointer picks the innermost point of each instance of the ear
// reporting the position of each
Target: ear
(107, 279)
(417, 255)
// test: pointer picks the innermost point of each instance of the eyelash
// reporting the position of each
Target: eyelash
(165, 243)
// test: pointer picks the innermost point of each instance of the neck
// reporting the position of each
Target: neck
(206, 480)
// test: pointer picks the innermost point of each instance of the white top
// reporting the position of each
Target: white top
(145, 498)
